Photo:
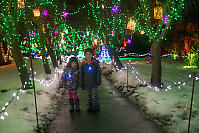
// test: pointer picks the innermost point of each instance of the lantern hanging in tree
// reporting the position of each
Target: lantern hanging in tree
(20, 4)
(142, 32)
(158, 11)
(131, 24)
(64, 14)
(36, 12)
(44, 12)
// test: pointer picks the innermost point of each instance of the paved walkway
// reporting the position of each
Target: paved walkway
(117, 115)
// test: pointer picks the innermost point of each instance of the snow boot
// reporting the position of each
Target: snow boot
(96, 108)
(71, 102)
(77, 108)
(90, 108)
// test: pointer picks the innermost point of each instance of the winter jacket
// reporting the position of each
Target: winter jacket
(70, 79)
(90, 74)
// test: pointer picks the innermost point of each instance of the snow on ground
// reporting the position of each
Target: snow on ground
(169, 108)
(21, 113)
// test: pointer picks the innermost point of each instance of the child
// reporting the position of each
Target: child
(70, 79)
(90, 79)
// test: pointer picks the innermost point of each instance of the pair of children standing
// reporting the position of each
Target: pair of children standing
(90, 79)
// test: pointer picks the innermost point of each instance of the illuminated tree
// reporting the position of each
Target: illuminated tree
(110, 23)
(155, 18)
(9, 18)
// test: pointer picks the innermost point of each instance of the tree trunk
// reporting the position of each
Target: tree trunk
(43, 53)
(50, 49)
(115, 58)
(45, 62)
(51, 53)
(18, 57)
(20, 63)
(156, 64)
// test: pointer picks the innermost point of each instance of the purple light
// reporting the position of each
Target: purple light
(65, 14)
(44, 13)
(55, 32)
(84, 36)
(129, 41)
(96, 36)
(73, 45)
(111, 31)
(166, 18)
(64, 38)
(115, 9)
(31, 34)
(35, 33)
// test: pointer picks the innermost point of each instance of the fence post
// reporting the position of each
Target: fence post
(194, 75)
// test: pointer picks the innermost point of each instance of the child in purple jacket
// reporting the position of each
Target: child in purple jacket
(70, 80)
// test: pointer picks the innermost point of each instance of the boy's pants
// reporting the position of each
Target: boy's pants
(93, 95)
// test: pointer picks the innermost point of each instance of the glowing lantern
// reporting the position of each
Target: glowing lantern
(131, 24)
(36, 12)
(65, 14)
(158, 12)
(44, 13)
(129, 41)
(115, 9)
(142, 32)
(20, 4)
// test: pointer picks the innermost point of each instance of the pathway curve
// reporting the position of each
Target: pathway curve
(117, 115)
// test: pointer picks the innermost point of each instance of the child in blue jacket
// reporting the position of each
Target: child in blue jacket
(90, 79)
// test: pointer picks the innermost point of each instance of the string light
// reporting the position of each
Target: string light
(14, 95)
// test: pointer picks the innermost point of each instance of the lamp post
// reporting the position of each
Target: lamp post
(36, 14)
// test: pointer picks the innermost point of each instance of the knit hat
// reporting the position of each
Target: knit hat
(89, 50)
(73, 59)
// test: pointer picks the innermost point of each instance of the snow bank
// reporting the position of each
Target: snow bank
(169, 109)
